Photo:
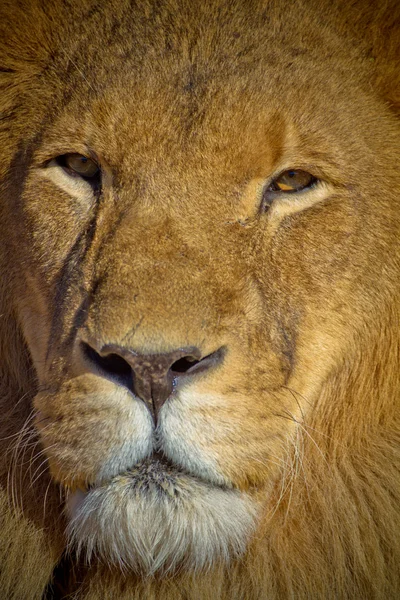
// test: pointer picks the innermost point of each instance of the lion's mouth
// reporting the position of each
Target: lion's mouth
(156, 474)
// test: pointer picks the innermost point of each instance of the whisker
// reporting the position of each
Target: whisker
(293, 418)
(80, 71)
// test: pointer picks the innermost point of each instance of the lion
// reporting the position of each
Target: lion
(199, 303)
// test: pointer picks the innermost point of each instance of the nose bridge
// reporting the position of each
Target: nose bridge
(160, 289)
(170, 269)
(175, 225)
(173, 251)
(150, 238)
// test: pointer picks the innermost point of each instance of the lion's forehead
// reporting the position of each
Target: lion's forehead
(185, 86)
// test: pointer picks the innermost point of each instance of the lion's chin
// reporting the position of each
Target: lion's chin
(154, 519)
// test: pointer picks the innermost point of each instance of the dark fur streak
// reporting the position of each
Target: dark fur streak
(14, 180)
(81, 313)
(109, 235)
(288, 350)
(68, 287)
(76, 258)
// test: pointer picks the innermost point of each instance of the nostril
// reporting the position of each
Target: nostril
(184, 365)
(150, 377)
(110, 365)
(190, 364)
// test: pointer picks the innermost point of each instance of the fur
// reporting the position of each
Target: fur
(275, 472)
(157, 535)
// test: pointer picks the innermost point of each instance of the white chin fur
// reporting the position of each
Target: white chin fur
(155, 519)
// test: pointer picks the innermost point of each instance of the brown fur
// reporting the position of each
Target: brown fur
(190, 107)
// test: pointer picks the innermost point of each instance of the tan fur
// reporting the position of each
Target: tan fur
(283, 479)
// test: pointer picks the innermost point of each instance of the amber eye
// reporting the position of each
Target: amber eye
(77, 164)
(288, 182)
(292, 181)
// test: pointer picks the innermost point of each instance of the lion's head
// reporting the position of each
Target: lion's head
(200, 260)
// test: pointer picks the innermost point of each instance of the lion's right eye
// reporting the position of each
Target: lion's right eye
(78, 165)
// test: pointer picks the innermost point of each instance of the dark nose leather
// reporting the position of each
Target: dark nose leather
(153, 374)
(151, 377)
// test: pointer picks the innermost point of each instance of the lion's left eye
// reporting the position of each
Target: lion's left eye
(292, 181)
(288, 182)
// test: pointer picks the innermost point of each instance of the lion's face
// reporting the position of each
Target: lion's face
(199, 238)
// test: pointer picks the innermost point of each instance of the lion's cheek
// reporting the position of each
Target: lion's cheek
(223, 439)
(91, 430)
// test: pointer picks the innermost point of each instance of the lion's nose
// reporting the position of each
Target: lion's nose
(151, 377)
